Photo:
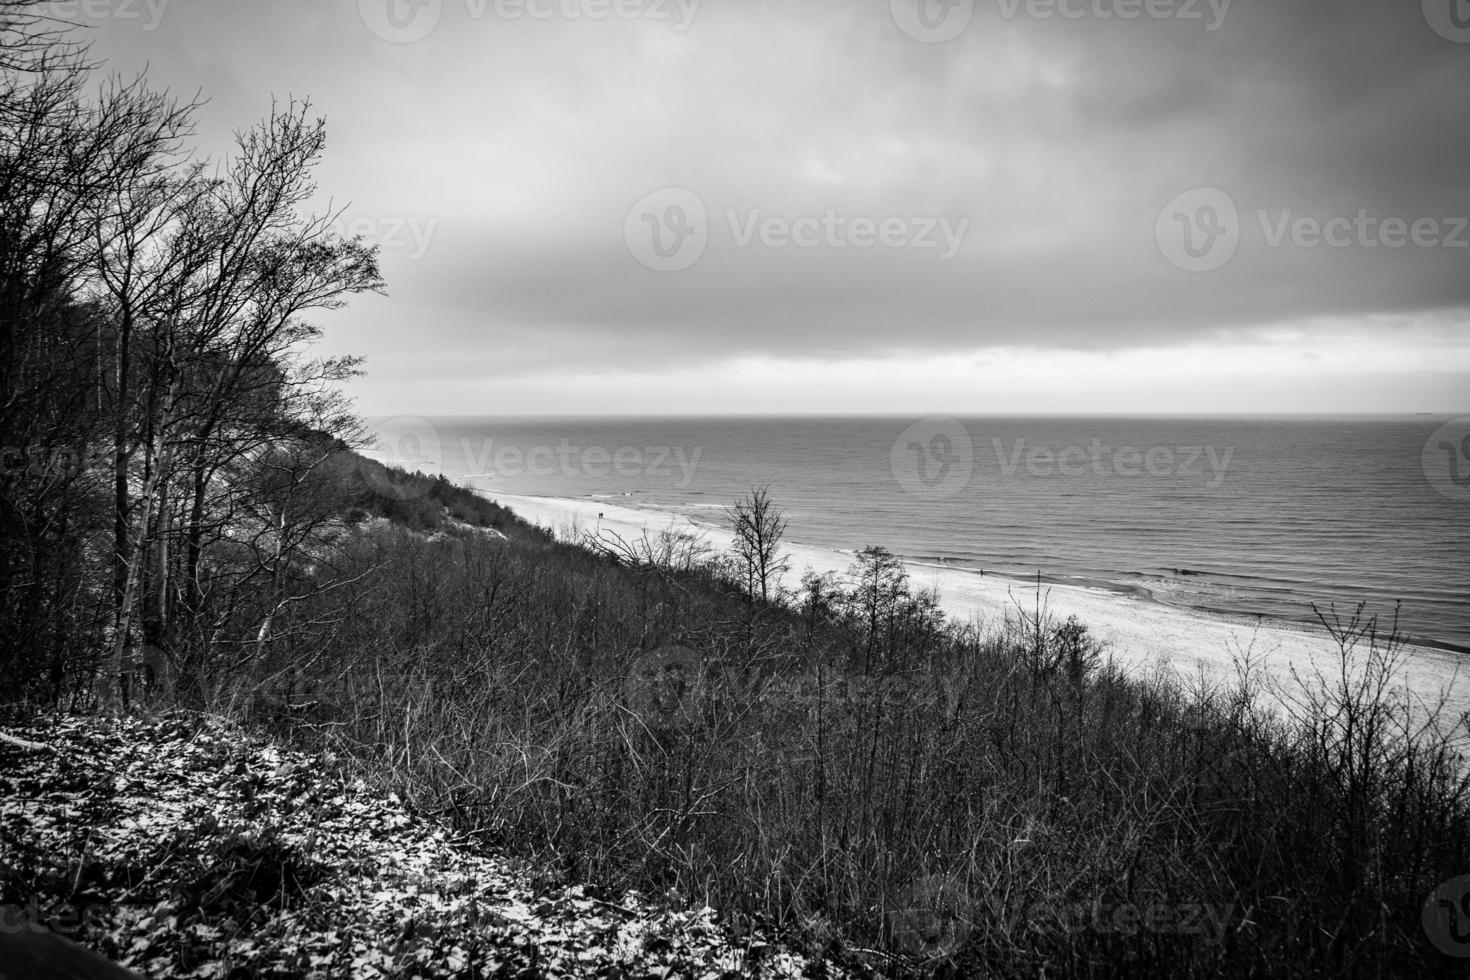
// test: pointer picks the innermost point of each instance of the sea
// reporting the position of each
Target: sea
(1274, 517)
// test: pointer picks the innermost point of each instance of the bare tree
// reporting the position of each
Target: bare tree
(85, 184)
(141, 264)
(669, 550)
(33, 38)
(245, 389)
(160, 311)
(879, 587)
(759, 526)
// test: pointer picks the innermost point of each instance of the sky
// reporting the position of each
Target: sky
(870, 206)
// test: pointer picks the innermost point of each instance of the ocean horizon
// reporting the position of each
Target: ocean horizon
(1240, 515)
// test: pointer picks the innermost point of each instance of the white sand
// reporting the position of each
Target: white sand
(1141, 635)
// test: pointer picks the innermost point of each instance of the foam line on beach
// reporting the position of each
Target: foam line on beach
(1142, 635)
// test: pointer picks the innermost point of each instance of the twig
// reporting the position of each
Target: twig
(23, 744)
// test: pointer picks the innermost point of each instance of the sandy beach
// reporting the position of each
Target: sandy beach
(1141, 636)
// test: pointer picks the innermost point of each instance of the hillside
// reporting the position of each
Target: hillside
(470, 748)
(185, 847)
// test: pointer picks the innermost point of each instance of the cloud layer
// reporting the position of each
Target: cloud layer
(498, 159)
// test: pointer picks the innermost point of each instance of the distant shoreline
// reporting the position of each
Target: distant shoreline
(1141, 632)
(1313, 512)
(1145, 594)
(1242, 618)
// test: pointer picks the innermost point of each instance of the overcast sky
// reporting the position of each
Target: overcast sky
(626, 206)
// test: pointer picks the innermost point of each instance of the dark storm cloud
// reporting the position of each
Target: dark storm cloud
(1053, 143)
(1081, 132)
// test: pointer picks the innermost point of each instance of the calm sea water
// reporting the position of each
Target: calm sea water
(1248, 516)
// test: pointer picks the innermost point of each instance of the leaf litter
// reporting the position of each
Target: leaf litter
(187, 847)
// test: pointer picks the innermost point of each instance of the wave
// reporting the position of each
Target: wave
(1312, 511)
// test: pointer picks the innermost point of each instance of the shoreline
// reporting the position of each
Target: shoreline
(1141, 635)
(1149, 597)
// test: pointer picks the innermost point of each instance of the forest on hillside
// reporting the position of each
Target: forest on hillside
(172, 451)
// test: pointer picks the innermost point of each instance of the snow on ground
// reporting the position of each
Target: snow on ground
(1141, 636)
(186, 848)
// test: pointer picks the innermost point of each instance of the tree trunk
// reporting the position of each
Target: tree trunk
(121, 513)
